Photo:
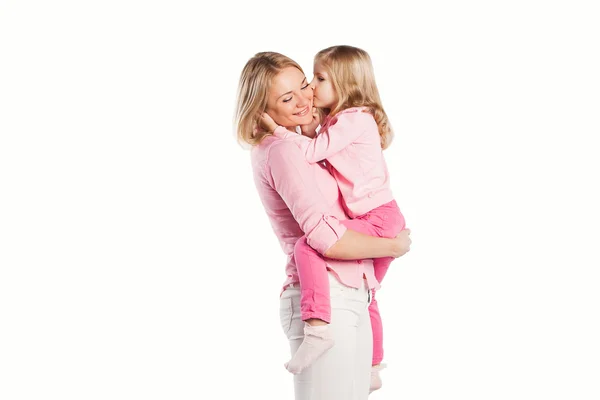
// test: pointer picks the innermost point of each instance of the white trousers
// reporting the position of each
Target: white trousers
(344, 371)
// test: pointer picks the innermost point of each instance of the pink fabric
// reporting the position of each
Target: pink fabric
(383, 221)
(351, 144)
(303, 198)
(377, 328)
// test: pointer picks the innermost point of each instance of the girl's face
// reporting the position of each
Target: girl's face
(324, 93)
(290, 98)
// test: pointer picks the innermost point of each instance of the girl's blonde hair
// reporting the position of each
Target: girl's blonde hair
(351, 72)
(253, 91)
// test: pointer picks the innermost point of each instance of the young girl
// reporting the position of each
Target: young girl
(351, 139)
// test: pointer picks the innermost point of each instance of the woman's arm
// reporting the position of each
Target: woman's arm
(293, 178)
(355, 246)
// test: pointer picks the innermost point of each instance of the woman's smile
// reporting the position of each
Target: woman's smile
(303, 112)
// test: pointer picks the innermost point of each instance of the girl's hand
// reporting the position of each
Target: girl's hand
(266, 122)
(310, 129)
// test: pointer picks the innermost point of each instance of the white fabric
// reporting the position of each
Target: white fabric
(344, 371)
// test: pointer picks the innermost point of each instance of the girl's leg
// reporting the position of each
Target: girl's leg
(314, 282)
(375, 224)
(385, 221)
(377, 328)
(388, 222)
(342, 373)
(315, 307)
(381, 265)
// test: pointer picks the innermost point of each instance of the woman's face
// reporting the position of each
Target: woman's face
(324, 93)
(290, 98)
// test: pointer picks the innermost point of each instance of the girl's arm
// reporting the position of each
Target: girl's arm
(346, 129)
(293, 178)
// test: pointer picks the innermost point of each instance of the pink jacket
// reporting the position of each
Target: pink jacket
(303, 198)
(351, 144)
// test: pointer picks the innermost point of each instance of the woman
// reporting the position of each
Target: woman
(299, 199)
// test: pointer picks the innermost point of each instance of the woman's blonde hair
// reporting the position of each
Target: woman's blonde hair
(253, 92)
(351, 72)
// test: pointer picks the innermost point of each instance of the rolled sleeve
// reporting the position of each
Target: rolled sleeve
(327, 232)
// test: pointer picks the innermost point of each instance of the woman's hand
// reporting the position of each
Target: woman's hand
(310, 129)
(402, 243)
(266, 122)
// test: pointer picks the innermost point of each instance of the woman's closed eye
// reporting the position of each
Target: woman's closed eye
(302, 88)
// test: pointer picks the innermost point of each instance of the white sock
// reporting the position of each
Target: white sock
(317, 340)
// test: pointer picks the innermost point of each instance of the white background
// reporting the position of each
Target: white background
(137, 261)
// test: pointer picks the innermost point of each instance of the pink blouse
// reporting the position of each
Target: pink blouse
(303, 198)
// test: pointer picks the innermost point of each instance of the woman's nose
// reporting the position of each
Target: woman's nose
(302, 102)
(305, 99)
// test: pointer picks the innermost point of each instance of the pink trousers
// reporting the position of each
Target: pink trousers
(383, 221)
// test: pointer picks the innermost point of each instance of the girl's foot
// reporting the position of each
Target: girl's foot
(317, 340)
(375, 378)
